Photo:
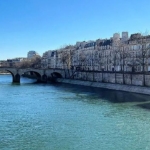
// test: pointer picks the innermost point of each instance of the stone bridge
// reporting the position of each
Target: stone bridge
(42, 75)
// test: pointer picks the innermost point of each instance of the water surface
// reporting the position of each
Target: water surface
(67, 117)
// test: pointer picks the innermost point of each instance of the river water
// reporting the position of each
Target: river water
(67, 117)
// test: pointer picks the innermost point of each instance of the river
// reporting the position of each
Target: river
(68, 117)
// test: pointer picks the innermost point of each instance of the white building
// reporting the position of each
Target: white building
(114, 54)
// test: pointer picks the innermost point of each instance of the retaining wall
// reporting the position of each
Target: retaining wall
(119, 87)
(106, 77)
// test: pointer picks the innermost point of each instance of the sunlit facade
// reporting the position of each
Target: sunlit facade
(119, 53)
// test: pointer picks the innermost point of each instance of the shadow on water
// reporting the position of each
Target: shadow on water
(25, 81)
(94, 95)
(105, 94)
(13, 84)
(144, 106)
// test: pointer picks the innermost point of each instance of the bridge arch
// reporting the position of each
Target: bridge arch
(31, 74)
(10, 72)
(15, 77)
(56, 75)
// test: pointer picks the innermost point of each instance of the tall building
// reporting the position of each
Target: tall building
(32, 54)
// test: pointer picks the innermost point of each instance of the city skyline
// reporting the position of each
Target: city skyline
(41, 26)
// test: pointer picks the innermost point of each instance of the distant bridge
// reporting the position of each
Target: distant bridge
(41, 75)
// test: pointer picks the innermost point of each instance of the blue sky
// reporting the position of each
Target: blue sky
(43, 25)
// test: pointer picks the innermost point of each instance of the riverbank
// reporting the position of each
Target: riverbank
(118, 87)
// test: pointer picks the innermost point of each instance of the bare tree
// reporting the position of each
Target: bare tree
(99, 60)
(123, 55)
(71, 57)
(63, 60)
(91, 60)
(34, 62)
(133, 62)
(143, 56)
(71, 61)
(114, 60)
(83, 62)
(23, 64)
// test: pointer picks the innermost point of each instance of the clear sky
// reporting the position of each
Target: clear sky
(43, 25)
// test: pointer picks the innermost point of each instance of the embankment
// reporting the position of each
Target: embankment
(119, 87)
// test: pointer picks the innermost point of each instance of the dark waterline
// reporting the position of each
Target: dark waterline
(65, 117)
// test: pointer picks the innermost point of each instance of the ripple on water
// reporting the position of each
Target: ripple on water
(63, 117)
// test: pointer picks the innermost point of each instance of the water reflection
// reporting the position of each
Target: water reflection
(105, 94)
(144, 106)
(62, 116)
(93, 95)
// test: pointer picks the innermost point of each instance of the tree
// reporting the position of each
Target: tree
(65, 60)
(34, 62)
(71, 60)
(23, 64)
(114, 60)
(91, 60)
(133, 62)
(99, 60)
(123, 55)
(143, 56)
(83, 61)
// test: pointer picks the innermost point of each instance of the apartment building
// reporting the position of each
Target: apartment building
(118, 53)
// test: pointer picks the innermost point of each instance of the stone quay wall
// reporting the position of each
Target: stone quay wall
(118, 87)
(137, 79)
(128, 82)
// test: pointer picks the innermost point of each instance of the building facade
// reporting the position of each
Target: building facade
(4, 63)
(14, 62)
(118, 53)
